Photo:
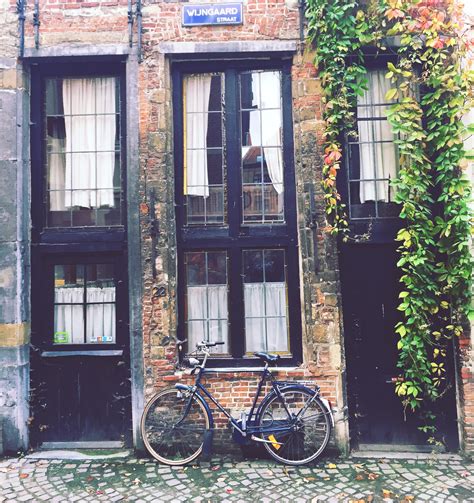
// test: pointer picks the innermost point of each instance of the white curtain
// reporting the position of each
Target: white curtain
(377, 160)
(208, 316)
(69, 319)
(90, 141)
(265, 125)
(100, 317)
(197, 93)
(265, 317)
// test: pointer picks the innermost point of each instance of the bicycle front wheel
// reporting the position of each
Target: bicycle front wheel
(173, 426)
(296, 427)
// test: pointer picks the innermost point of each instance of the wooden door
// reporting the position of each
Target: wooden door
(370, 287)
(80, 361)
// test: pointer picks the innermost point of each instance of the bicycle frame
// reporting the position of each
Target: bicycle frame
(247, 429)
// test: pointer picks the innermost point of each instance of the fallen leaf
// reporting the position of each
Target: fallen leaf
(228, 490)
(386, 493)
(331, 466)
(360, 476)
(327, 478)
(308, 479)
(215, 468)
(90, 478)
(24, 475)
(136, 482)
(372, 476)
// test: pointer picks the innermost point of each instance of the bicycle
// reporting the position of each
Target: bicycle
(293, 422)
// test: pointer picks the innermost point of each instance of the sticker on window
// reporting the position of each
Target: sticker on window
(61, 338)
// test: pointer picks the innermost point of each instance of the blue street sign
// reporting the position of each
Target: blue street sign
(214, 14)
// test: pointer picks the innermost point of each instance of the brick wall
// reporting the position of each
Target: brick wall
(74, 23)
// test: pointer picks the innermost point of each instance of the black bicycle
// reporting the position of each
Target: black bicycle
(293, 421)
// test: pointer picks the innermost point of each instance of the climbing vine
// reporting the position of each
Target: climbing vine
(432, 91)
(340, 31)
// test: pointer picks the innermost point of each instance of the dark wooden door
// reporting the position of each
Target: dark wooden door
(80, 361)
(370, 287)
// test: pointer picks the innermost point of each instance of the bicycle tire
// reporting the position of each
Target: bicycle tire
(170, 437)
(313, 431)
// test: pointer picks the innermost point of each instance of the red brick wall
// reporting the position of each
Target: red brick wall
(75, 23)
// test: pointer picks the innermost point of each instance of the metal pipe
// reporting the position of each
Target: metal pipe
(20, 10)
(138, 13)
(36, 23)
(130, 23)
(301, 5)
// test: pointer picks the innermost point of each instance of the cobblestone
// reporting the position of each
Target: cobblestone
(329, 481)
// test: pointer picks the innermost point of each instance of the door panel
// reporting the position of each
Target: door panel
(370, 287)
(80, 363)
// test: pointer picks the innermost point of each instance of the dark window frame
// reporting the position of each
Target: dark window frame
(234, 236)
(377, 230)
(73, 245)
(63, 69)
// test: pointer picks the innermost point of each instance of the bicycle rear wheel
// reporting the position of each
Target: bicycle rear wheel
(308, 432)
(173, 427)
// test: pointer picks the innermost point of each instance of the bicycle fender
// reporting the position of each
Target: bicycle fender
(272, 393)
(328, 407)
(185, 387)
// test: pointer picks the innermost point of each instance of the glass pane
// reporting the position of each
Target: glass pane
(196, 268)
(84, 304)
(83, 166)
(54, 97)
(262, 155)
(253, 266)
(203, 159)
(265, 300)
(68, 304)
(274, 265)
(206, 304)
(362, 207)
(217, 268)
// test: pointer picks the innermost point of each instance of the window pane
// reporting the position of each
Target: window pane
(84, 304)
(262, 156)
(373, 155)
(206, 299)
(83, 151)
(203, 158)
(265, 301)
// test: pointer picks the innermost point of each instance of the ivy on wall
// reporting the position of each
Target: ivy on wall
(432, 91)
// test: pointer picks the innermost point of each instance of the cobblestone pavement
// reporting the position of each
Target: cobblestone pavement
(331, 480)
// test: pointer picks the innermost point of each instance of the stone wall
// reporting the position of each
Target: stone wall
(14, 244)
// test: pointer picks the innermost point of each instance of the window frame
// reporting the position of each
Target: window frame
(45, 301)
(235, 236)
(378, 230)
(39, 202)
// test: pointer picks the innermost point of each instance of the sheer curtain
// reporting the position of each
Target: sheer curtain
(377, 160)
(265, 317)
(207, 315)
(197, 93)
(69, 318)
(100, 314)
(90, 141)
(265, 125)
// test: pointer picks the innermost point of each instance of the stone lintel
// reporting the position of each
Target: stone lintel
(64, 50)
(251, 46)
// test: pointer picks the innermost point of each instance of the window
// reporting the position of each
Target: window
(83, 151)
(84, 304)
(372, 154)
(78, 201)
(236, 210)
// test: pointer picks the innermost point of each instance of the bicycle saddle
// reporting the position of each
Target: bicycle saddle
(266, 357)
